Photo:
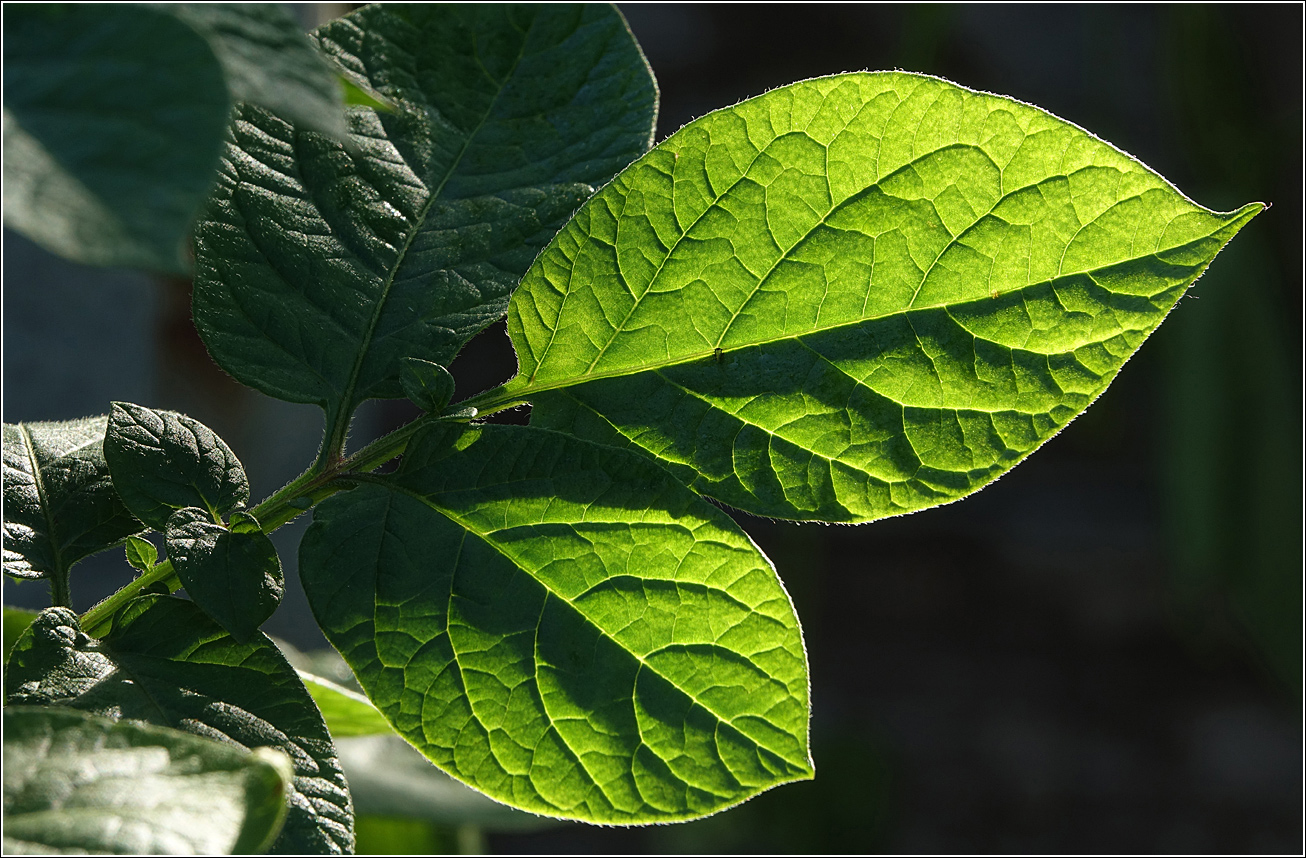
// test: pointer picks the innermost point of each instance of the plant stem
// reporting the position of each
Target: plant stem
(281, 507)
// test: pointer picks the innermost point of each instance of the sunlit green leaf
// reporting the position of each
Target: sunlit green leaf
(167, 663)
(854, 296)
(320, 267)
(78, 783)
(141, 553)
(346, 712)
(563, 626)
(59, 502)
(16, 621)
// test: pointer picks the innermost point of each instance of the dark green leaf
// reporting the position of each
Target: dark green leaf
(234, 575)
(388, 777)
(269, 61)
(163, 461)
(563, 626)
(429, 386)
(59, 501)
(854, 296)
(16, 622)
(167, 663)
(78, 783)
(141, 553)
(319, 268)
(113, 124)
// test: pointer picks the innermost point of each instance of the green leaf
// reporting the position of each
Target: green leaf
(234, 575)
(855, 296)
(563, 626)
(113, 123)
(388, 777)
(269, 61)
(357, 96)
(346, 712)
(16, 621)
(320, 267)
(59, 501)
(163, 461)
(77, 783)
(167, 663)
(429, 386)
(141, 553)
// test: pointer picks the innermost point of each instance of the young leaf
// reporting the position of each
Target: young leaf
(563, 626)
(429, 386)
(268, 61)
(854, 296)
(141, 553)
(163, 461)
(78, 783)
(113, 124)
(319, 267)
(167, 663)
(59, 501)
(233, 574)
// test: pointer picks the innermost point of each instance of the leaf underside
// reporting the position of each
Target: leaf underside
(855, 296)
(59, 501)
(564, 627)
(320, 267)
(76, 783)
(168, 664)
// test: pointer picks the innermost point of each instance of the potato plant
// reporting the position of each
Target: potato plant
(849, 298)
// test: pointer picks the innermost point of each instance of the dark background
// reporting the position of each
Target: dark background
(1099, 653)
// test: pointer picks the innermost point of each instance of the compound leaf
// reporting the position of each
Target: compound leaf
(563, 626)
(233, 574)
(320, 266)
(79, 783)
(854, 296)
(163, 461)
(59, 501)
(167, 663)
(113, 123)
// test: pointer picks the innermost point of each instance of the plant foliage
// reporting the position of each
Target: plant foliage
(849, 298)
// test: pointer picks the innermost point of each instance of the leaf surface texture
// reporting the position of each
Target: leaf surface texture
(855, 296)
(564, 627)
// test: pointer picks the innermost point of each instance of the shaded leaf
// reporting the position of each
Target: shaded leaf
(854, 296)
(429, 386)
(79, 783)
(268, 61)
(59, 502)
(113, 123)
(167, 663)
(319, 268)
(563, 626)
(163, 461)
(234, 574)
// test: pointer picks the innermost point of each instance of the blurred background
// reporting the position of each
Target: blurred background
(1100, 653)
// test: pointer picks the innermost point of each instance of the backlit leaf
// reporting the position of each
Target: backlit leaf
(563, 626)
(855, 296)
